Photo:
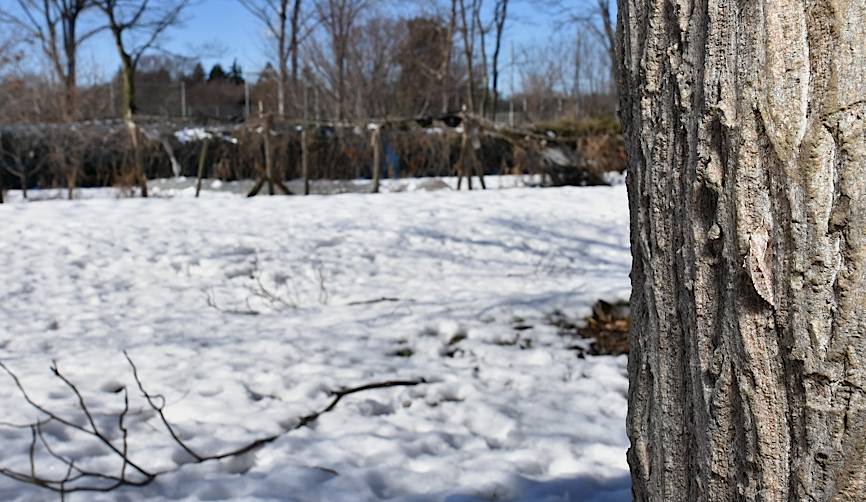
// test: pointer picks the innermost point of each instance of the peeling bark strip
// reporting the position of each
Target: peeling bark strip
(759, 264)
(747, 184)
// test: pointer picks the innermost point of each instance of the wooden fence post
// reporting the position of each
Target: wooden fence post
(202, 158)
(269, 157)
(376, 142)
(305, 161)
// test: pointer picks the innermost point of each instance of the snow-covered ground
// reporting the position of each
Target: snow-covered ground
(244, 313)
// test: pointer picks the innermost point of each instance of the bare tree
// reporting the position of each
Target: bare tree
(596, 18)
(542, 81)
(500, 15)
(607, 34)
(448, 49)
(54, 25)
(467, 29)
(8, 53)
(424, 77)
(339, 18)
(374, 66)
(579, 44)
(67, 148)
(747, 183)
(480, 30)
(136, 26)
(429, 57)
(21, 157)
(283, 23)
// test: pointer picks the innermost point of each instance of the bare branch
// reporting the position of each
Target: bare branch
(81, 480)
(159, 410)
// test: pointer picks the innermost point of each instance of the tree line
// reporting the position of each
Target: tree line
(338, 62)
(327, 59)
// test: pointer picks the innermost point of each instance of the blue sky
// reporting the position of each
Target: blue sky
(224, 23)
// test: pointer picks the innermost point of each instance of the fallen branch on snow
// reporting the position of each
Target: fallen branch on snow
(384, 299)
(78, 479)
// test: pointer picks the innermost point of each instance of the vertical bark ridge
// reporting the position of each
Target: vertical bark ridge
(747, 185)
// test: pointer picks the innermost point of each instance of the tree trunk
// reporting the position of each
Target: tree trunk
(129, 109)
(448, 48)
(747, 186)
(578, 63)
(281, 93)
(609, 39)
(128, 77)
(341, 85)
(294, 45)
(376, 143)
(71, 182)
(305, 161)
(269, 153)
(22, 177)
(70, 76)
(202, 161)
(137, 154)
(284, 69)
(500, 18)
(482, 35)
(469, 53)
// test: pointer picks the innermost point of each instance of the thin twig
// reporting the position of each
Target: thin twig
(99, 482)
(122, 426)
(383, 299)
(159, 410)
(33, 451)
(95, 432)
(211, 301)
(271, 296)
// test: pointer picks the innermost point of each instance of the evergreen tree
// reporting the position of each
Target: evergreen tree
(217, 73)
(236, 73)
(197, 76)
(268, 73)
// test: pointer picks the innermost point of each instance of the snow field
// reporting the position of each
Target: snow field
(244, 313)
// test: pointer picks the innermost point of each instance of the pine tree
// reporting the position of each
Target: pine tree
(197, 76)
(217, 74)
(236, 73)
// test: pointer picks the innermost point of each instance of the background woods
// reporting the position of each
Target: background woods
(330, 69)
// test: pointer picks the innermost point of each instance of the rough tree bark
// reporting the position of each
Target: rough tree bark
(747, 186)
